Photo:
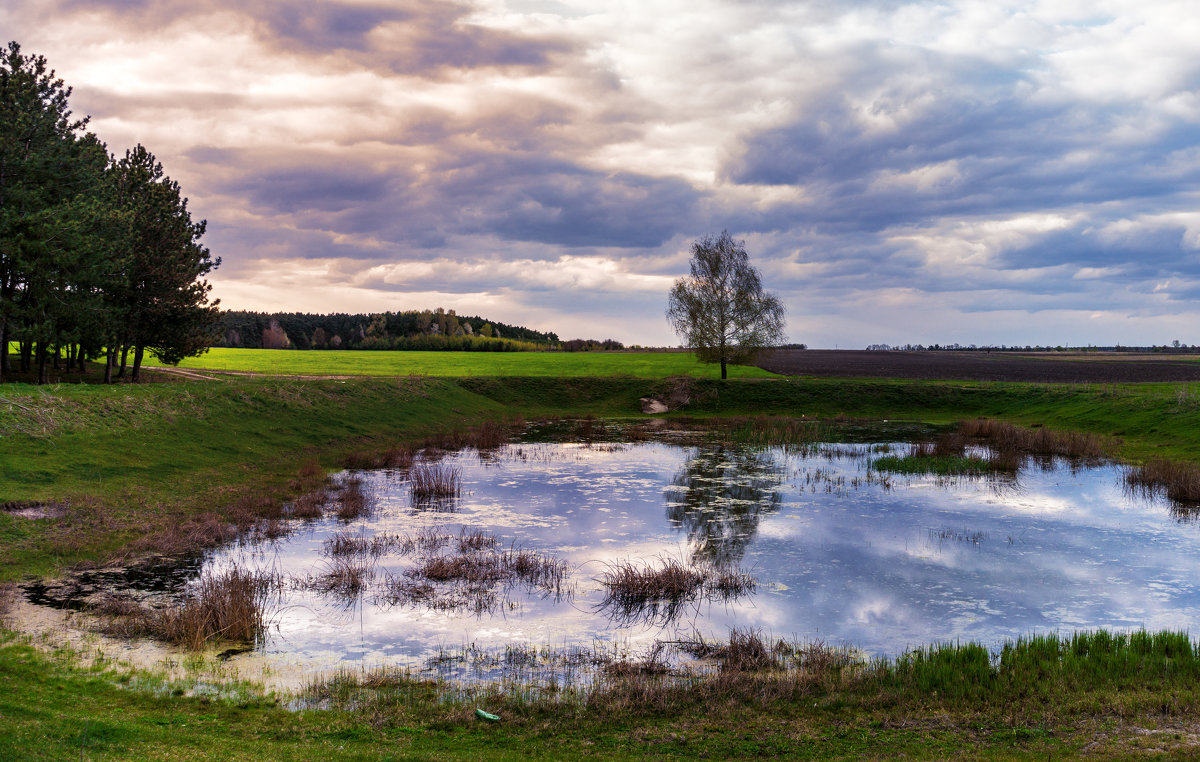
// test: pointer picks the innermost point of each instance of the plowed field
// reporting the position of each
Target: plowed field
(1058, 367)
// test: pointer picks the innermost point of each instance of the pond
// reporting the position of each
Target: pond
(837, 552)
(535, 556)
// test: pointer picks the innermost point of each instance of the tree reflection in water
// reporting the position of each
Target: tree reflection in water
(720, 495)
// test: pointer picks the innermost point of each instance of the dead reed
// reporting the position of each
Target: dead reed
(229, 606)
(662, 591)
(310, 505)
(1178, 482)
(1036, 441)
(391, 457)
(344, 576)
(488, 435)
(352, 502)
(433, 480)
(633, 582)
(473, 540)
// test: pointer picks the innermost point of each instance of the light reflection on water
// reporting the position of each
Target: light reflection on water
(840, 559)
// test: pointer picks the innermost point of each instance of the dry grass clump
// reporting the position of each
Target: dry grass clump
(945, 446)
(464, 572)
(513, 565)
(352, 502)
(433, 480)
(310, 505)
(270, 529)
(473, 540)
(391, 457)
(631, 581)
(588, 428)
(1178, 482)
(661, 591)
(229, 606)
(344, 576)
(488, 435)
(1036, 441)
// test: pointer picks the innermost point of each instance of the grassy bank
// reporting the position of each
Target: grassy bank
(1094, 694)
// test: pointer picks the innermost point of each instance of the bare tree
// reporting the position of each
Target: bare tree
(720, 310)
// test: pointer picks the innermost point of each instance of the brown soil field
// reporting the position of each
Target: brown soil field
(1057, 367)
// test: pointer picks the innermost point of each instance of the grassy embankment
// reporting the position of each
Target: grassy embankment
(131, 460)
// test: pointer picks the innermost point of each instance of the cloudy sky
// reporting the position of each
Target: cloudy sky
(989, 172)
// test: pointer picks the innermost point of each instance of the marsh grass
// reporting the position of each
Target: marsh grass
(390, 457)
(792, 434)
(466, 571)
(430, 481)
(352, 501)
(1076, 445)
(1178, 481)
(514, 565)
(487, 436)
(220, 607)
(345, 576)
(662, 589)
(310, 505)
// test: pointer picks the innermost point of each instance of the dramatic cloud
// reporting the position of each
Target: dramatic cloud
(901, 171)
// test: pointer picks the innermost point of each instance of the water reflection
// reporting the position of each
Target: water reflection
(719, 497)
(837, 555)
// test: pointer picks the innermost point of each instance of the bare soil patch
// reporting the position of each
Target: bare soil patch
(1059, 367)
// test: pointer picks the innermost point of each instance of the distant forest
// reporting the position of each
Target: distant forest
(424, 330)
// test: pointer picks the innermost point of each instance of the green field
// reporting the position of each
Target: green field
(464, 364)
(133, 464)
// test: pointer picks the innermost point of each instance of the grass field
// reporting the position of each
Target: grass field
(465, 364)
(131, 463)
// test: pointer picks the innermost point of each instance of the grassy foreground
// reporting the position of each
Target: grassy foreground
(1094, 694)
(127, 462)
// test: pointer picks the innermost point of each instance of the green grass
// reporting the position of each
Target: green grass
(1106, 693)
(458, 364)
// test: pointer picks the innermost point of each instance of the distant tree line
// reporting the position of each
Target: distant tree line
(99, 256)
(412, 330)
(591, 345)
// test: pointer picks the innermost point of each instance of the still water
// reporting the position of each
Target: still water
(838, 554)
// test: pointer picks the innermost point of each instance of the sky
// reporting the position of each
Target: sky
(987, 172)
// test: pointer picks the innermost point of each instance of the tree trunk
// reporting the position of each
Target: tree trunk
(3, 349)
(26, 356)
(723, 374)
(43, 372)
(137, 363)
(110, 359)
(124, 358)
